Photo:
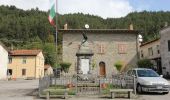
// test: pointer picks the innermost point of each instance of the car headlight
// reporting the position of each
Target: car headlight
(166, 83)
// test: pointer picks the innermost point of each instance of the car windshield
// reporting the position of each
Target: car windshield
(147, 73)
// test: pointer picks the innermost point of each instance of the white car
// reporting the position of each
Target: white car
(149, 81)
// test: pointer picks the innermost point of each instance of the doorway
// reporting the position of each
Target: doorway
(102, 69)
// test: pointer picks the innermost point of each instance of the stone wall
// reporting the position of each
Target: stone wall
(165, 54)
(105, 47)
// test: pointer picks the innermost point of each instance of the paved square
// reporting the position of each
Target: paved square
(27, 90)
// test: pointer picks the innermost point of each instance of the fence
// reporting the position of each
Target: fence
(124, 81)
(89, 86)
(44, 83)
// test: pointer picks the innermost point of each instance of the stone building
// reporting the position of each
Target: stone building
(165, 50)
(151, 50)
(108, 46)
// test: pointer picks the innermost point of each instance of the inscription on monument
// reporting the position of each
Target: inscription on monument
(85, 66)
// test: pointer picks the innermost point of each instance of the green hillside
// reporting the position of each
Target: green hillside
(31, 29)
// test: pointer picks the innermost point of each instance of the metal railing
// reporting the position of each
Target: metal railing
(120, 81)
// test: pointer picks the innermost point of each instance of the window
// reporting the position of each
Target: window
(150, 51)
(10, 60)
(9, 72)
(101, 48)
(141, 53)
(24, 60)
(169, 45)
(147, 73)
(158, 51)
(122, 48)
(23, 72)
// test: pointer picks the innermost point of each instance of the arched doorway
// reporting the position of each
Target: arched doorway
(102, 69)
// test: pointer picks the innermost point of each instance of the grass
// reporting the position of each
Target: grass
(107, 89)
(71, 91)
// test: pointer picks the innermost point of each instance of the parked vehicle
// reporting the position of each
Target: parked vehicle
(147, 80)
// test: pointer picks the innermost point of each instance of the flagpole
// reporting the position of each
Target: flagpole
(56, 47)
(56, 32)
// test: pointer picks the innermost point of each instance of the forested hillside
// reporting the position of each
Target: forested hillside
(32, 25)
(31, 29)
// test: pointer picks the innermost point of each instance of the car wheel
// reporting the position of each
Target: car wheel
(165, 92)
(139, 89)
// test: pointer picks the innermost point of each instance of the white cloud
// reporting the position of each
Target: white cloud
(27, 4)
(103, 8)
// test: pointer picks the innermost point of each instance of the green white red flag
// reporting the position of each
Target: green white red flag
(52, 13)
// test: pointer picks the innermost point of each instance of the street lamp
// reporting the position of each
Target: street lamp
(140, 38)
(86, 26)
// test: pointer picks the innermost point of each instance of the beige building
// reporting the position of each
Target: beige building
(108, 45)
(48, 70)
(151, 50)
(26, 64)
(165, 50)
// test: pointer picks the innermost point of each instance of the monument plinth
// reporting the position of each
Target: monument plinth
(84, 59)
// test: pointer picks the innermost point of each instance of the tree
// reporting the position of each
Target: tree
(49, 51)
(145, 63)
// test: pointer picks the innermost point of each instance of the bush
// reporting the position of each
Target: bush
(93, 64)
(118, 65)
(65, 66)
(144, 63)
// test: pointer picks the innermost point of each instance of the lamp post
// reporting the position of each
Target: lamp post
(140, 38)
(139, 41)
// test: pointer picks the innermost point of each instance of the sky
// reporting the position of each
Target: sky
(102, 8)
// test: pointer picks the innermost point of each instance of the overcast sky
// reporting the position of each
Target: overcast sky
(103, 8)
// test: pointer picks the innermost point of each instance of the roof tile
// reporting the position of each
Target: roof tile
(25, 52)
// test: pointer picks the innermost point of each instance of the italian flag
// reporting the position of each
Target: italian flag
(52, 12)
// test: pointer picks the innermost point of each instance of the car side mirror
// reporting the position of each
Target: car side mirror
(161, 75)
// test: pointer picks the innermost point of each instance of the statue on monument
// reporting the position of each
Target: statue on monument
(84, 38)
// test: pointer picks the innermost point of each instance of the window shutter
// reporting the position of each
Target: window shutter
(101, 49)
(122, 48)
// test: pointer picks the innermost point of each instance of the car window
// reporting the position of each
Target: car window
(147, 73)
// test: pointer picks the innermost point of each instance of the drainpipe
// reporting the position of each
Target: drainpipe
(35, 67)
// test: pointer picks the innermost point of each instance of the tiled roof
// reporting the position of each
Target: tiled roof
(145, 43)
(25, 52)
(47, 66)
(99, 30)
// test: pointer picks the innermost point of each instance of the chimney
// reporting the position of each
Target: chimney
(131, 27)
(65, 26)
(166, 24)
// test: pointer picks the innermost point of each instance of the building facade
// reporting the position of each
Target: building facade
(151, 50)
(3, 62)
(26, 64)
(165, 50)
(108, 45)
(48, 70)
